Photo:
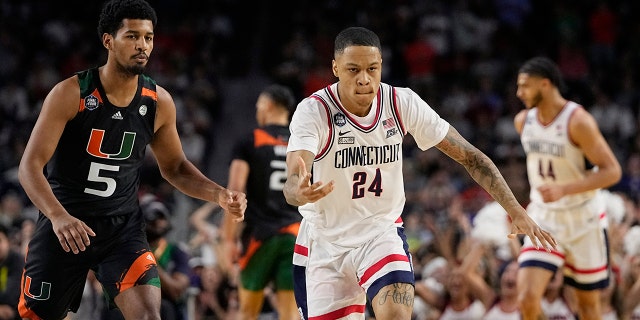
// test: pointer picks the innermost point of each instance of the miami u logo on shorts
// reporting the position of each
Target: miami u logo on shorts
(45, 290)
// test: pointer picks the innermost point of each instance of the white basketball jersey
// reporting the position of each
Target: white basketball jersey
(363, 156)
(552, 158)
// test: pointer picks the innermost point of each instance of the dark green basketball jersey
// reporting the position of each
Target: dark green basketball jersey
(95, 168)
(265, 151)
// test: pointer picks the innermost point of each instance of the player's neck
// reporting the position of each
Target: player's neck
(277, 120)
(550, 108)
(120, 88)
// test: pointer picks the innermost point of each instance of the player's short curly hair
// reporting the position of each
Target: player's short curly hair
(115, 11)
(545, 68)
(356, 36)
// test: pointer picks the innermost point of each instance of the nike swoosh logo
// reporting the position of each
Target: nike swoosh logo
(340, 133)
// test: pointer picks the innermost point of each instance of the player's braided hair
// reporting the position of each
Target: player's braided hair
(114, 11)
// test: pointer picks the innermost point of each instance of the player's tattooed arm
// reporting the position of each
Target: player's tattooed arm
(479, 166)
(298, 189)
(487, 175)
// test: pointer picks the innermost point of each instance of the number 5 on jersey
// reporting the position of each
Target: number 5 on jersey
(94, 148)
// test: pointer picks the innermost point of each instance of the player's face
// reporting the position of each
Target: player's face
(132, 45)
(529, 90)
(261, 109)
(359, 70)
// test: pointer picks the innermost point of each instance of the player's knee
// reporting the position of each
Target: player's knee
(528, 301)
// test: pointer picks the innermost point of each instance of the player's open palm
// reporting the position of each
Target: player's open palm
(73, 234)
(523, 224)
(308, 192)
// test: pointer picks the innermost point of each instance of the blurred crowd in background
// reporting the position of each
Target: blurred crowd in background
(461, 56)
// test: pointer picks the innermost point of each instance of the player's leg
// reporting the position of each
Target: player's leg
(286, 303)
(589, 271)
(386, 273)
(537, 266)
(251, 302)
(46, 293)
(287, 308)
(589, 304)
(257, 266)
(128, 272)
(140, 302)
(531, 284)
(588, 265)
(394, 301)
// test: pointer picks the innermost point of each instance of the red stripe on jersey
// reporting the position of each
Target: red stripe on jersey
(396, 111)
(328, 143)
(586, 271)
(380, 264)
(301, 250)
(340, 313)
(542, 249)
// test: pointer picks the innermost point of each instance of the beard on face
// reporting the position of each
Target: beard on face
(536, 99)
(134, 70)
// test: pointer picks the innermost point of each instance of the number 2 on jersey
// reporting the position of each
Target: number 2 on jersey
(360, 179)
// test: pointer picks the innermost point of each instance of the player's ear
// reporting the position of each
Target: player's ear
(107, 41)
(334, 67)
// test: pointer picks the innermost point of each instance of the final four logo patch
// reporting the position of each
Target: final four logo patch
(339, 119)
(91, 102)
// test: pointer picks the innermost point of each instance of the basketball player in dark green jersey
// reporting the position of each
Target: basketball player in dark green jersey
(92, 135)
(271, 224)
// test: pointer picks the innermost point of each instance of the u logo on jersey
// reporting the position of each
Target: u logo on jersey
(95, 145)
(45, 290)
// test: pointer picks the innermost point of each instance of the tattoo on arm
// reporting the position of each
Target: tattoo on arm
(399, 293)
(479, 166)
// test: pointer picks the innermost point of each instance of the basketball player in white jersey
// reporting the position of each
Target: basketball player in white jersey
(351, 246)
(558, 137)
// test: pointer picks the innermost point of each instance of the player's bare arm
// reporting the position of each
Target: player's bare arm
(479, 166)
(298, 189)
(230, 229)
(178, 170)
(518, 120)
(584, 132)
(487, 175)
(60, 106)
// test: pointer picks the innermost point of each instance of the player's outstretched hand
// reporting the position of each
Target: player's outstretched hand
(233, 202)
(72, 233)
(523, 224)
(308, 192)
